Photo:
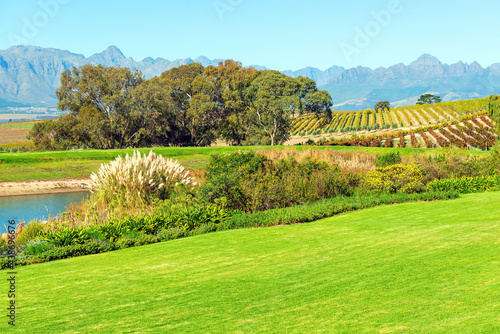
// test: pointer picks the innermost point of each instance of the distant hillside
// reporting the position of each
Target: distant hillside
(30, 75)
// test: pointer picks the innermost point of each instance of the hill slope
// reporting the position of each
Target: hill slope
(417, 267)
(456, 124)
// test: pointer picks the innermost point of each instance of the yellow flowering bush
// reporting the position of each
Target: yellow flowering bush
(395, 178)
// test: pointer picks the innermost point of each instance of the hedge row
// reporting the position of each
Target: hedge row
(328, 208)
(466, 185)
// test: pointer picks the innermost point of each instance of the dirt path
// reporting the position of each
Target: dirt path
(43, 187)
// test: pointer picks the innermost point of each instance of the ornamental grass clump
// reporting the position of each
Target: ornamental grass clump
(138, 179)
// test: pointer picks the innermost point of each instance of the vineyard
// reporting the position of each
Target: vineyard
(467, 132)
(14, 133)
(393, 118)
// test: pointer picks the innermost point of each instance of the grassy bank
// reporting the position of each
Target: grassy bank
(416, 267)
(81, 163)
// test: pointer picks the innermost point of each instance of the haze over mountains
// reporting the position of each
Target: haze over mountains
(30, 75)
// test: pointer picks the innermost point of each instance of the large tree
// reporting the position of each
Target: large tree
(113, 107)
(429, 99)
(278, 100)
(105, 92)
(382, 105)
(156, 117)
(197, 115)
(228, 87)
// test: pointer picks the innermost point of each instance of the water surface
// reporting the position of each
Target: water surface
(29, 207)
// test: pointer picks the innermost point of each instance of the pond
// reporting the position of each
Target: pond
(30, 207)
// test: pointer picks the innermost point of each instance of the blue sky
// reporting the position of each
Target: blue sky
(280, 34)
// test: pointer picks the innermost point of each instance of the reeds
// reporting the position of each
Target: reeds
(347, 161)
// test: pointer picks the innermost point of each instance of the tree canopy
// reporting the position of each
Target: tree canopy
(429, 99)
(113, 107)
(382, 105)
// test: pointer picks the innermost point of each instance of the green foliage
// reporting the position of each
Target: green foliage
(494, 111)
(289, 183)
(73, 250)
(186, 213)
(224, 174)
(135, 240)
(395, 178)
(192, 215)
(5, 263)
(466, 185)
(387, 159)
(250, 182)
(327, 208)
(382, 105)
(113, 107)
(67, 236)
(36, 247)
(277, 99)
(451, 166)
(30, 232)
(429, 99)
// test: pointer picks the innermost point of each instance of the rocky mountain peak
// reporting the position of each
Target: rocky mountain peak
(111, 55)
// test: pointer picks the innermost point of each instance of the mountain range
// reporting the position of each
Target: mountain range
(30, 75)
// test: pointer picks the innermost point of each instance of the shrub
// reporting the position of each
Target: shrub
(62, 252)
(5, 263)
(224, 174)
(391, 158)
(449, 166)
(260, 184)
(32, 231)
(287, 182)
(327, 208)
(172, 233)
(67, 236)
(136, 239)
(466, 185)
(36, 247)
(111, 230)
(138, 179)
(395, 178)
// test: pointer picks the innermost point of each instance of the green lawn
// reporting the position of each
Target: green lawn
(430, 267)
(81, 163)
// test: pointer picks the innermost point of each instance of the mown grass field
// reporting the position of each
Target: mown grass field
(81, 163)
(430, 267)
